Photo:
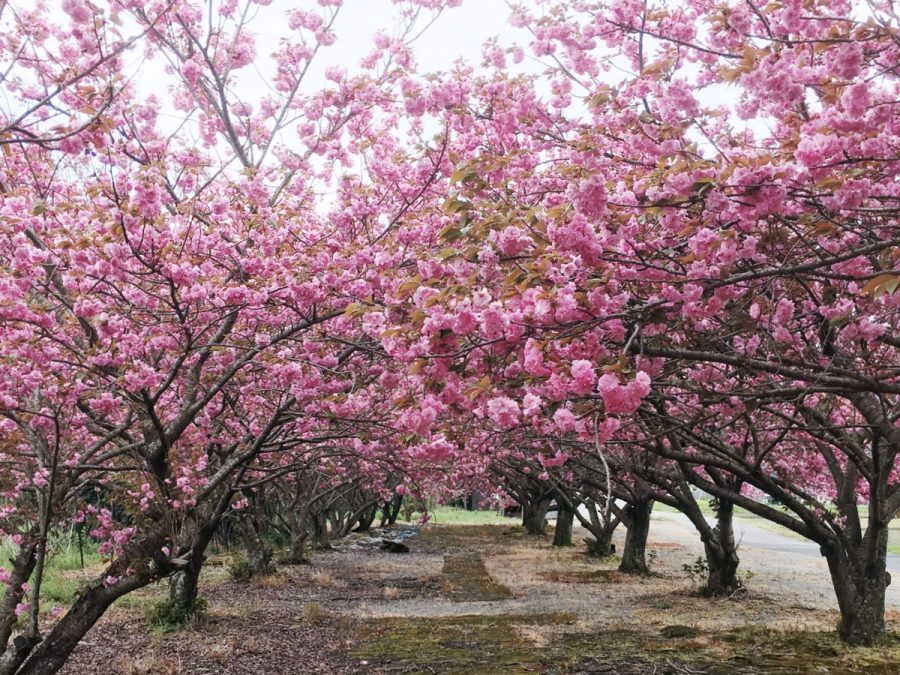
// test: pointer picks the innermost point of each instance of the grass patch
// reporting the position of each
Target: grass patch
(447, 515)
(552, 643)
(466, 579)
(443, 537)
(457, 645)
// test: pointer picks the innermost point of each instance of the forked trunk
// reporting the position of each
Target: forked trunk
(860, 578)
(721, 554)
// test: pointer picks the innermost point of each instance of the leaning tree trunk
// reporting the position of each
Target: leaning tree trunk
(638, 524)
(721, 554)
(22, 567)
(51, 653)
(562, 534)
(860, 577)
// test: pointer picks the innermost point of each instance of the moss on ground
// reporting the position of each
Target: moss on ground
(466, 579)
(507, 644)
(456, 645)
(470, 537)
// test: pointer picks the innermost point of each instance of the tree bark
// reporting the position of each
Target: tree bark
(51, 653)
(721, 554)
(638, 524)
(860, 578)
(185, 583)
(364, 523)
(562, 534)
(534, 516)
(22, 567)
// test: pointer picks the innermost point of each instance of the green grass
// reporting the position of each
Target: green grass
(58, 589)
(448, 515)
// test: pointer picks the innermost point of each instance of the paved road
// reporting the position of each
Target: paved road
(779, 559)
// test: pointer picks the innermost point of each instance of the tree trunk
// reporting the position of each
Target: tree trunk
(601, 528)
(860, 578)
(364, 524)
(602, 546)
(320, 529)
(50, 654)
(534, 516)
(638, 524)
(721, 554)
(297, 550)
(562, 534)
(259, 557)
(22, 567)
(184, 584)
(394, 509)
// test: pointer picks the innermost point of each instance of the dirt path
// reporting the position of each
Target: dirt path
(484, 599)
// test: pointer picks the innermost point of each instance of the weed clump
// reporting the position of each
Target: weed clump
(167, 616)
(242, 571)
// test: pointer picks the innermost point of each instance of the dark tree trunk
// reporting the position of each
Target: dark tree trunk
(364, 523)
(602, 546)
(534, 516)
(638, 524)
(394, 509)
(721, 554)
(860, 578)
(602, 528)
(562, 534)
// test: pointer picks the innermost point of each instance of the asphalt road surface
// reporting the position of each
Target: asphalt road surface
(781, 563)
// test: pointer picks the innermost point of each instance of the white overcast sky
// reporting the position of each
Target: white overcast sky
(458, 33)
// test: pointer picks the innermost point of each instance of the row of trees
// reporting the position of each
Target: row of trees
(678, 289)
(605, 280)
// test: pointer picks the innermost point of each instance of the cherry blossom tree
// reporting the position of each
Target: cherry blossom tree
(175, 308)
(705, 207)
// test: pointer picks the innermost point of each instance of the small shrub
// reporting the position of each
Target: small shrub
(167, 616)
(698, 572)
(240, 571)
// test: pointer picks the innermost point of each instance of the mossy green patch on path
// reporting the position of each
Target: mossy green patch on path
(465, 578)
(440, 538)
(459, 645)
(555, 643)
